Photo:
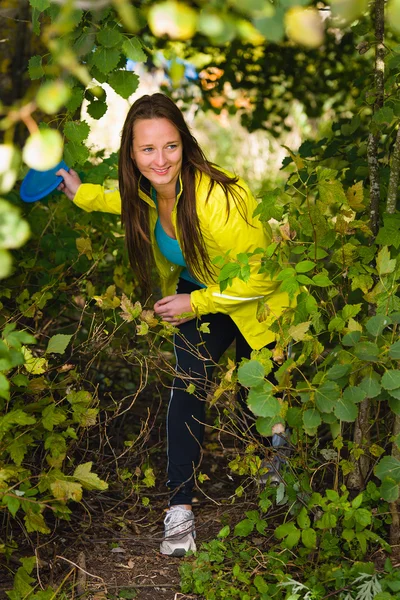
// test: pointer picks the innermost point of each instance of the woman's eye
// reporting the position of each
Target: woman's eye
(147, 150)
(172, 146)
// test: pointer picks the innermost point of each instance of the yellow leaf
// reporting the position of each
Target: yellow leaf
(355, 196)
(299, 332)
(296, 159)
(304, 26)
(34, 365)
(66, 490)
(84, 246)
(148, 317)
(89, 480)
(172, 18)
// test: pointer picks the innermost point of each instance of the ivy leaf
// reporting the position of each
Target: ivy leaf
(35, 67)
(89, 480)
(66, 490)
(106, 59)
(384, 263)
(125, 83)
(346, 410)
(129, 311)
(76, 131)
(58, 343)
(388, 467)
(132, 48)
(35, 366)
(251, 373)
(108, 37)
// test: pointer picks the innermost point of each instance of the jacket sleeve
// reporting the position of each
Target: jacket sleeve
(92, 197)
(237, 236)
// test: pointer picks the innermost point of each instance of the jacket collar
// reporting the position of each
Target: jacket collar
(145, 190)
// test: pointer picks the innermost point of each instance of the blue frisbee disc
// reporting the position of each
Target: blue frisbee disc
(39, 184)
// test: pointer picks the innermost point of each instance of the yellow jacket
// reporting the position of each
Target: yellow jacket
(239, 300)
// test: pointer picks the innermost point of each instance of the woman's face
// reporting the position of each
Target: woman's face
(157, 152)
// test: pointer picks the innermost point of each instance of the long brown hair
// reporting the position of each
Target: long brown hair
(135, 211)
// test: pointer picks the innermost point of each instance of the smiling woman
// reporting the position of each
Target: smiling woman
(181, 212)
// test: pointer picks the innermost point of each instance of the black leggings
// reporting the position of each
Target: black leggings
(196, 356)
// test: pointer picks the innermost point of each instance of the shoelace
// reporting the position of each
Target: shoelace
(176, 522)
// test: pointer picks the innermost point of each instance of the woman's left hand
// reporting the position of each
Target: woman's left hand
(170, 307)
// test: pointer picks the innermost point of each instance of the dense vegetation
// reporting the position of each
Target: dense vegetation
(69, 303)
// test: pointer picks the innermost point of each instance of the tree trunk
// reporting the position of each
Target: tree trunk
(361, 437)
(391, 202)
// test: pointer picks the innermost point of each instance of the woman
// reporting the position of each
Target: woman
(180, 212)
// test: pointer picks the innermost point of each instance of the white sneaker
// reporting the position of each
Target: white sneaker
(179, 532)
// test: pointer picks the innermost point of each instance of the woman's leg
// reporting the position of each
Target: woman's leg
(196, 356)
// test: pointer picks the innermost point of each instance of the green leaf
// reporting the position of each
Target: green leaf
(371, 387)
(351, 338)
(304, 266)
(350, 310)
(40, 5)
(58, 343)
(244, 528)
(354, 394)
(35, 67)
(367, 351)
(12, 504)
(261, 585)
(394, 351)
(303, 520)
(264, 424)
(35, 522)
(106, 59)
(4, 387)
(251, 373)
(389, 489)
(80, 397)
(346, 410)
(326, 396)
(383, 116)
(52, 95)
(66, 490)
(75, 153)
(132, 48)
(125, 83)
(224, 532)
(375, 325)
(329, 187)
(389, 467)
(309, 538)
(43, 149)
(391, 379)
(89, 480)
(311, 420)
(338, 371)
(97, 108)
(327, 521)
(321, 280)
(363, 517)
(108, 37)
(384, 263)
(52, 416)
(262, 403)
(75, 99)
(76, 131)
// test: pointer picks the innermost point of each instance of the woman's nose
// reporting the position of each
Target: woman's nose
(160, 158)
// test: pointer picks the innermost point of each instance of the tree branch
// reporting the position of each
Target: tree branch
(394, 176)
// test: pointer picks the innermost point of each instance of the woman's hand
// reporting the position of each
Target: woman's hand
(70, 184)
(170, 307)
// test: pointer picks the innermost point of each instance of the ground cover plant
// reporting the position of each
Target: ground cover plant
(70, 309)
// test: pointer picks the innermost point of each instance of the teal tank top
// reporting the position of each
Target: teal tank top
(170, 248)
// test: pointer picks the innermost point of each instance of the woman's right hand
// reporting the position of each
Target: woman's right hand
(71, 182)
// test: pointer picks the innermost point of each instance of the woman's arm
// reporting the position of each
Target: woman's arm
(88, 196)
